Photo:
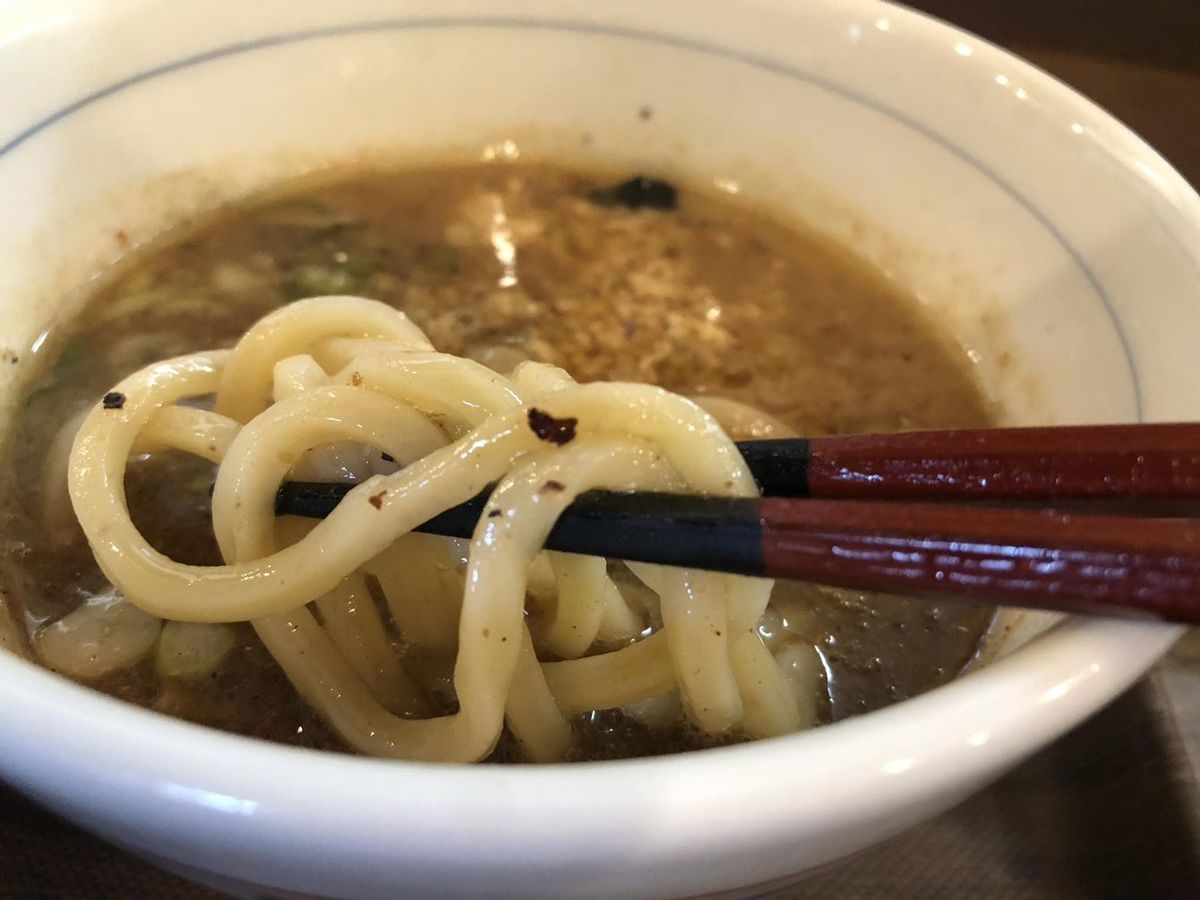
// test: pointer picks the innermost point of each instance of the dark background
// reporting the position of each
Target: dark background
(1144, 32)
(1140, 59)
(1111, 809)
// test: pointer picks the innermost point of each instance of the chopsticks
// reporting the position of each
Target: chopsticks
(1071, 562)
(1084, 462)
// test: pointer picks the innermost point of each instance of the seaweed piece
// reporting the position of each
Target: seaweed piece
(638, 192)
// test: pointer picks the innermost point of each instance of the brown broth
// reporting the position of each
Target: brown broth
(498, 263)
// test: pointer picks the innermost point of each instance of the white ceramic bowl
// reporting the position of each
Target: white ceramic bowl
(1060, 250)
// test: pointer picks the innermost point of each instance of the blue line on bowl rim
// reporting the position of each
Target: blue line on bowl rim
(596, 28)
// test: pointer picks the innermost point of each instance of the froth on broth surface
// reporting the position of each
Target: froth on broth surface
(504, 263)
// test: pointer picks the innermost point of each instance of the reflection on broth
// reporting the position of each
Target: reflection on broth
(771, 329)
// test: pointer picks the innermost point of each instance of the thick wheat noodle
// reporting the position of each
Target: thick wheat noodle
(348, 369)
(637, 672)
(411, 578)
(349, 616)
(351, 621)
(294, 329)
(199, 432)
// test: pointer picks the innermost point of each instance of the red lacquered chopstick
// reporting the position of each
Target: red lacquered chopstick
(1089, 564)
(1110, 565)
(1150, 462)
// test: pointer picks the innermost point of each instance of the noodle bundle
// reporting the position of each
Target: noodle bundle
(527, 639)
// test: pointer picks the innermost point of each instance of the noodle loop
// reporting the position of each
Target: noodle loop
(331, 376)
